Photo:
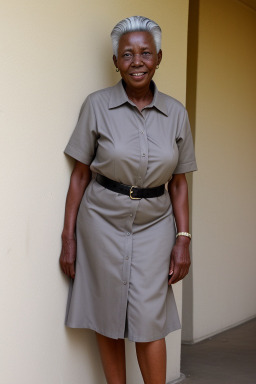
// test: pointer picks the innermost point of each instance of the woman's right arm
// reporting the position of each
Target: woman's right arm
(80, 178)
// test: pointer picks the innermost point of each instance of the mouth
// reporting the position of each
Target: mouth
(138, 74)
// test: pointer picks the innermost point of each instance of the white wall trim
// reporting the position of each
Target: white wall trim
(179, 380)
(195, 341)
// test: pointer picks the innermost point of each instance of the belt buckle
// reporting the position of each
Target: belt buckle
(131, 192)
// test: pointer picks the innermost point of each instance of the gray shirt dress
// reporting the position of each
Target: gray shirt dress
(124, 245)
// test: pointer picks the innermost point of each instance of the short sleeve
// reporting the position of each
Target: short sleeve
(83, 141)
(186, 161)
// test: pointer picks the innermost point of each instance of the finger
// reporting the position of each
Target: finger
(171, 268)
(185, 271)
(174, 280)
(169, 276)
(62, 265)
(181, 273)
(66, 268)
(174, 277)
(72, 271)
(171, 271)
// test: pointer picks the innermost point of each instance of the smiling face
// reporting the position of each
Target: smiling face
(137, 60)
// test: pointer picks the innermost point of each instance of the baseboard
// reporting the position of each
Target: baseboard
(194, 341)
(179, 380)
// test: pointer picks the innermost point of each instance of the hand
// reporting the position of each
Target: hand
(180, 260)
(68, 256)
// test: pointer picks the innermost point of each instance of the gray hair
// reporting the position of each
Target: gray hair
(134, 24)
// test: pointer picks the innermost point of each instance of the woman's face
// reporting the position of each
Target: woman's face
(137, 59)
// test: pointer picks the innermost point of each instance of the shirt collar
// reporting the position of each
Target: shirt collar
(119, 97)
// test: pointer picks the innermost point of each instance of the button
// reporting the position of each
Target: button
(128, 233)
(131, 214)
(142, 132)
(143, 154)
(127, 258)
(139, 177)
(124, 282)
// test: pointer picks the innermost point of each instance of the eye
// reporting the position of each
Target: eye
(146, 55)
(127, 54)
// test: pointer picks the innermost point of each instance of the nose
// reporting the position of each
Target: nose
(137, 59)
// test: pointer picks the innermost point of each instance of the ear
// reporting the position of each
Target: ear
(115, 61)
(159, 56)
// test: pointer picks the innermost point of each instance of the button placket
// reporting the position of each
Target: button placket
(140, 122)
(127, 259)
(143, 153)
(139, 178)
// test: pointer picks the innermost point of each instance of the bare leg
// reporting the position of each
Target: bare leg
(152, 361)
(112, 353)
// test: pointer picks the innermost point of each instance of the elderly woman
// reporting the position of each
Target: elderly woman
(126, 237)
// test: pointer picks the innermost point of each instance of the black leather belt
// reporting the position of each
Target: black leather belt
(135, 193)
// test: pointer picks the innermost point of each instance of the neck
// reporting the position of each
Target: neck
(144, 95)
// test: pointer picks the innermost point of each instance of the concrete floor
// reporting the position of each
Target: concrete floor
(227, 358)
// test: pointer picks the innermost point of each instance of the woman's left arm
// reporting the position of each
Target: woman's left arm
(180, 258)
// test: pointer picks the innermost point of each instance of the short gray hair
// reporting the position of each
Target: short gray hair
(134, 24)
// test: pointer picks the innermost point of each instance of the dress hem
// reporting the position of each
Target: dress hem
(129, 337)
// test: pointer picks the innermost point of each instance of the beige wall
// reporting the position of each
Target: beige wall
(53, 53)
(222, 107)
